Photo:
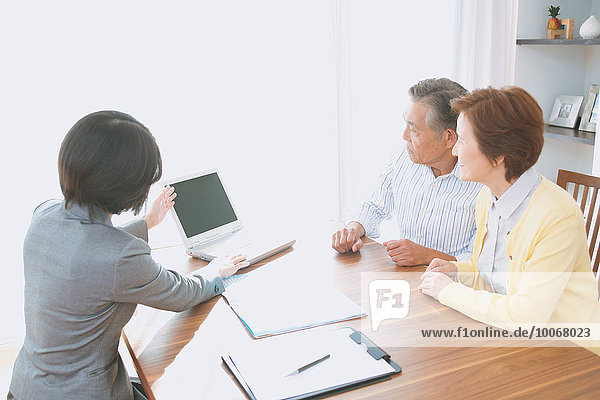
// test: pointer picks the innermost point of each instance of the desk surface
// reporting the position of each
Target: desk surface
(177, 355)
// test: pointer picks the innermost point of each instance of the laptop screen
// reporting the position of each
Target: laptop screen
(202, 204)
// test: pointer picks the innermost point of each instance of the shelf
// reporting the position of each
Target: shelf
(559, 42)
(570, 135)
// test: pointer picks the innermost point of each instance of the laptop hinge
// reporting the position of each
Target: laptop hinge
(214, 239)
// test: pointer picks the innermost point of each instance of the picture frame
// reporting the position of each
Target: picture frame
(565, 111)
(591, 109)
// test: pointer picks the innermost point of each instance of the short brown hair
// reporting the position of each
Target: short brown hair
(437, 93)
(506, 122)
(108, 159)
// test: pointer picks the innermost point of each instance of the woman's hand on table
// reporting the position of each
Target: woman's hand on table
(227, 266)
(437, 276)
(446, 267)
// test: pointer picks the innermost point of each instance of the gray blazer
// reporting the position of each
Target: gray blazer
(83, 281)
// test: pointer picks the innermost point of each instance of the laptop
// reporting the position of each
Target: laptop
(209, 224)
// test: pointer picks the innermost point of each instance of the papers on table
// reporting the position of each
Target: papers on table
(261, 366)
(284, 296)
(230, 280)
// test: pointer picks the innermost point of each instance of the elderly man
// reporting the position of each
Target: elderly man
(420, 186)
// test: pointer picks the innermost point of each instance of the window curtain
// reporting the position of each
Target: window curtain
(382, 48)
(485, 42)
(346, 165)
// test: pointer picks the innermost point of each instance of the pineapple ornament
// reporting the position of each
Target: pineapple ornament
(555, 30)
(553, 22)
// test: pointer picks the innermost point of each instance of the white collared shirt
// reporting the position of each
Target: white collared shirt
(504, 214)
(438, 213)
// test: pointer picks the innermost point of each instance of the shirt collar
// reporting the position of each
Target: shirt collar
(455, 172)
(516, 193)
(88, 213)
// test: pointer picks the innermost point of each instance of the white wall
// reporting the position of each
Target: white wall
(593, 54)
(560, 154)
(592, 76)
(250, 87)
(245, 86)
(533, 16)
(393, 45)
(547, 71)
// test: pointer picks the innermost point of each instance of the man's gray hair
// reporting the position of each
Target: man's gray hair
(437, 93)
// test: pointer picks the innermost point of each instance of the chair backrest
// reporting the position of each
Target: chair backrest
(585, 192)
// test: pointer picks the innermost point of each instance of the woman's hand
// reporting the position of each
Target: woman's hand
(439, 274)
(439, 265)
(433, 283)
(160, 206)
(227, 266)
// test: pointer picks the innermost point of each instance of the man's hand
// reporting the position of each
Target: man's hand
(160, 206)
(348, 238)
(405, 253)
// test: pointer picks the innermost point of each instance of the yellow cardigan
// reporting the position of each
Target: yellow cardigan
(546, 246)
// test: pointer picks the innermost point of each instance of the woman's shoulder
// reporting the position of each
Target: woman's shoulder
(554, 197)
(46, 206)
(550, 202)
(99, 234)
(548, 199)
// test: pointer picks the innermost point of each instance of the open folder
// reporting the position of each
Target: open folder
(265, 368)
(283, 297)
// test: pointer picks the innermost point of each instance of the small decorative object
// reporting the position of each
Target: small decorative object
(555, 34)
(558, 27)
(565, 111)
(568, 25)
(553, 22)
(590, 29)
(589, 117)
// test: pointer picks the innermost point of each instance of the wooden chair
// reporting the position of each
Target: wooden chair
(589, 207)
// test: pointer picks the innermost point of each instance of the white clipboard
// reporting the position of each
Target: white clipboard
(262, 367)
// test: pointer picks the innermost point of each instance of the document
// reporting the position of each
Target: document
(233, 279)
(263, 366)
(282, 296)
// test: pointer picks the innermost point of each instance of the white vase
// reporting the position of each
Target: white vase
(590, 29)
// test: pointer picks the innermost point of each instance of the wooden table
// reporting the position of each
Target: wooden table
(177, 355)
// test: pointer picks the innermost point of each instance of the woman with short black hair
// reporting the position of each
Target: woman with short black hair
(109, 159)
(84, 277)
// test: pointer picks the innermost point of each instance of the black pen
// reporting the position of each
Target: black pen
(307, 366)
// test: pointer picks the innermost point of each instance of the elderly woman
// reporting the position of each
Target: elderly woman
(530, 261)
(84, 277)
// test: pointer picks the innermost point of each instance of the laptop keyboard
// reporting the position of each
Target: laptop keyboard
(231, 249)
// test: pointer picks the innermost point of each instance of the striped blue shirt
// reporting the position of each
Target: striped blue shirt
(438, 213)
